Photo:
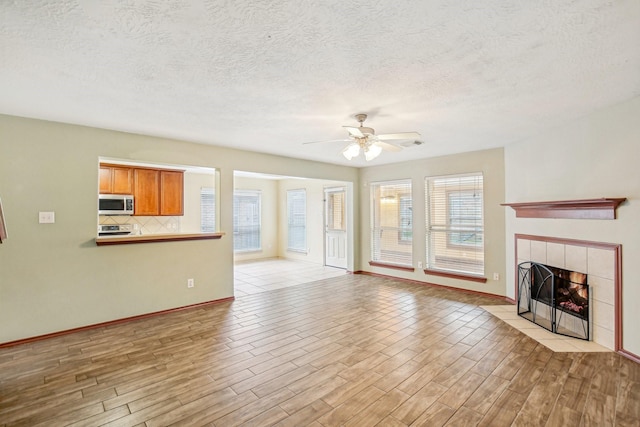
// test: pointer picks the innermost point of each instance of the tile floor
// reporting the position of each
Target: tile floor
(353, 350)
(555, 342)
(252, 277)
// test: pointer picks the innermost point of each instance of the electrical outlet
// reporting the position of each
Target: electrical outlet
(419, 264)
(190, 283)
(47, 217)
(496, 276)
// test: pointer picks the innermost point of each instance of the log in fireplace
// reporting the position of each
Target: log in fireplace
(554, 298)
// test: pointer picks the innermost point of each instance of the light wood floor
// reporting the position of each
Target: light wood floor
(354, 350)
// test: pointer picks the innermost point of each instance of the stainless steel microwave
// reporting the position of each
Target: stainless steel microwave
(115, 204)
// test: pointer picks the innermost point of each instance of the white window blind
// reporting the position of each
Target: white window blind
(455, 223)
(297, 220)
(392, 222)
(246, 221)
(207, 210)
(335, 211)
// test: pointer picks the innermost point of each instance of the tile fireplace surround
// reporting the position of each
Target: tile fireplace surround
(601, 263)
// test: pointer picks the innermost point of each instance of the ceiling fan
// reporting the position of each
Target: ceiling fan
(365, 139)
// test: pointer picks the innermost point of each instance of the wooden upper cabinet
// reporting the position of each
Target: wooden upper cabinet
(105, 180)
(155, 191)
(146, 192)
(122, 180)
(171, 193)
(116, 179)
(158, 192)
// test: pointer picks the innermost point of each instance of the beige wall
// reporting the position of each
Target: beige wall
(491, 164)
(53, 277)
(596, 156)
(315, 218)
(193, 183)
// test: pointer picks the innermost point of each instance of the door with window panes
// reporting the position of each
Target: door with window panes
(335, 227)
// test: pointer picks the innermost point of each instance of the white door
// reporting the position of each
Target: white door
(335, 228)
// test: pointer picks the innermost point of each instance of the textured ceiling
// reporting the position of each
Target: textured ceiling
(270, 75)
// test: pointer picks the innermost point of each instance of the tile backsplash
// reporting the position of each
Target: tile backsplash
(145, 224)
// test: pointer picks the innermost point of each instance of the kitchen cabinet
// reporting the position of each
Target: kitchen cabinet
(116, 179)
(158, 192)
(146, 192)
(171, 193)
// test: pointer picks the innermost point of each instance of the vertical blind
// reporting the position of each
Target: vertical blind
(207, 210)
(297, 220)
(392, 222)
(335, 211)
(246, 220)
(455, 223)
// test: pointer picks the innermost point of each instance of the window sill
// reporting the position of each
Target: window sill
(453, 275)
(392, 266)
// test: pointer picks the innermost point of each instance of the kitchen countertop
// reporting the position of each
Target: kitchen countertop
(154, 238)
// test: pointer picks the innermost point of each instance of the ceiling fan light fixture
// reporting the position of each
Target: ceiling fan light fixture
(352, 150)
(365, 138)
(372, 151)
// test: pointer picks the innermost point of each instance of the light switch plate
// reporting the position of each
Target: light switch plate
(47, 217)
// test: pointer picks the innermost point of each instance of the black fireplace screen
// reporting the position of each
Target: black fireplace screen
(546, 294)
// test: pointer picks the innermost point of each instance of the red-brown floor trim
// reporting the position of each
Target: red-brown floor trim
(417, 282)
(392, 266)
(112, 322)
(451, 275)
(629, 355)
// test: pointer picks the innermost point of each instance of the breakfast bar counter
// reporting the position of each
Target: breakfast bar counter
(155, 238)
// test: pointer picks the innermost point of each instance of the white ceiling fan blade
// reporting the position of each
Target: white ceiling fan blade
(386, 146)
(401, 135)
(331, 140)
(410, 143)
(354, 131)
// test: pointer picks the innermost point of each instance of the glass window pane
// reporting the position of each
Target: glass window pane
(246, 221)
(392, 222)
(207, 210)
(455, 223)
(336, 212)
(297, 220)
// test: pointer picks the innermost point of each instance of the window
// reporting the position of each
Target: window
(392, 222)
(455, 223)
(207, 210)
(246, 221)
(335, 211)
(297, 220)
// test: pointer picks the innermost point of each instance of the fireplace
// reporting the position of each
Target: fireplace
(554, 298)
(602, 263)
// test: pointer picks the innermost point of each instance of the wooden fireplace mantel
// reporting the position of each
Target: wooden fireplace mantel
(604, 208)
